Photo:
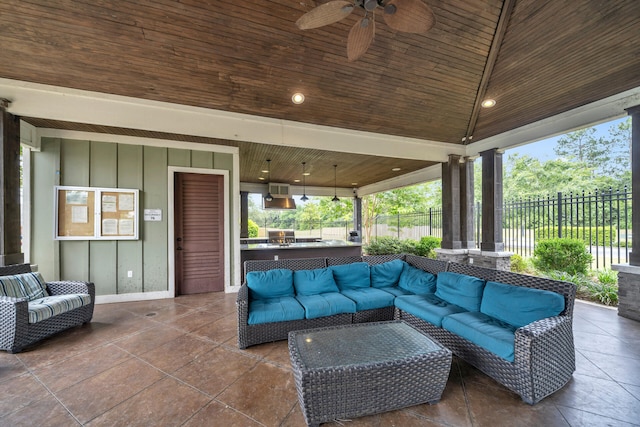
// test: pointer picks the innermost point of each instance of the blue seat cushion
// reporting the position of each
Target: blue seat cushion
(326, 304)
(26, 285)
(417, 281)
(491, 334)
(386, 274)
(352, 276)
(396, 291)
(518, 305)
(47, 307)
(270, 284)
(314, 282)
(459, 289)
(369, 298)
(427, 307)
(278, 309)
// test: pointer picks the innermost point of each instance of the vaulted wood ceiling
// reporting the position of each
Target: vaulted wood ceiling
(543, 58)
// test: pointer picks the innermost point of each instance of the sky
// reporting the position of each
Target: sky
(543, 150)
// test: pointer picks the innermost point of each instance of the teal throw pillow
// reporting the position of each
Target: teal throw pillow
(270, 284)
(460, 289)
(518, 305)
(417, 281)
(352, 276)
(314, 282)
(386, 274)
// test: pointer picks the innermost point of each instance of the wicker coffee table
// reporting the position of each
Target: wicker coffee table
(349, 371)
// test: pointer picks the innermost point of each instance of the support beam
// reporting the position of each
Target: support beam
(10, 245)
(467, 220)
(491, 201)
(357, 219)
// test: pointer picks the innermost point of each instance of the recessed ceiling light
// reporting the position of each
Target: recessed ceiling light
(306, 173)
(297, 98)
(296, 180)
(354, 183)
(488, 103)
(261, 178)
(396, 169)
(265, 171)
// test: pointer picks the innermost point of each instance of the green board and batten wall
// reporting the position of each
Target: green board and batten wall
(112, 165)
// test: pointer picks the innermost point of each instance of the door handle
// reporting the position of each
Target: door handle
(179, 239)
(179, 248)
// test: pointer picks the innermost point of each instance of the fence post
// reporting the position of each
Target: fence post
(398, 222)
(559, 214)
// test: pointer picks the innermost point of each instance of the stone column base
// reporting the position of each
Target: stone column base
(11, 259)
(453, 255)
(495, 260)
(628, 290)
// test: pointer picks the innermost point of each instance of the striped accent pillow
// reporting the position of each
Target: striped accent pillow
(44, 308)
(27, 285)
(10, 286)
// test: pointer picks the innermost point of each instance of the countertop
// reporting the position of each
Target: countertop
(302, 245)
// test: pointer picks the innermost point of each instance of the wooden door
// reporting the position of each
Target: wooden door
(199, 233)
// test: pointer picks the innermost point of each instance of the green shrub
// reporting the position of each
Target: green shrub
(607, 276)
(607, 294)
(568, 255)
(427, 246)
(603, 235)
(253, 228)
(392, 245)
(518, 264)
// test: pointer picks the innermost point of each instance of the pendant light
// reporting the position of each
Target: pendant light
(304, 197)
(268, 197)
(335, 192)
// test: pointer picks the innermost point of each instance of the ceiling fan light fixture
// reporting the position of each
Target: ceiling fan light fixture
(304, 197)
(370, 5)
(390, 9)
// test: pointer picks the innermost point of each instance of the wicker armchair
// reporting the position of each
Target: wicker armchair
(15, 330)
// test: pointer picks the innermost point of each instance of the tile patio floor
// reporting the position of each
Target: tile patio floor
(176, 363)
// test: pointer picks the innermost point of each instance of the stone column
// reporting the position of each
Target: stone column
(451, 246)
(491, 253)
(629, 274)
(451, 203)
(10, 244)
(244, 214)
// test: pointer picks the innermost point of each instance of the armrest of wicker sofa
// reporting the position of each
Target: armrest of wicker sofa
(14, 318)
(540, 343)
(242, 301)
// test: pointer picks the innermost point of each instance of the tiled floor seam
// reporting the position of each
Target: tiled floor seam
(592, 413)
(55, 397)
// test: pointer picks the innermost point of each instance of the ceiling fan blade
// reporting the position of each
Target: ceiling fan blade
(360, 38)
(409, 16)
(325, 14)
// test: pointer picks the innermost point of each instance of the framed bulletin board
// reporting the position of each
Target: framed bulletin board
(88, 213)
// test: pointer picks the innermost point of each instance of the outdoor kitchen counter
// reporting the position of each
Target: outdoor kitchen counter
(323, 248)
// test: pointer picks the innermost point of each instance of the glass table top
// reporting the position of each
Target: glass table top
(361, 344)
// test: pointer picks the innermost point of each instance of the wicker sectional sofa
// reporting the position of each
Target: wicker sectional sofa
(489, 310)
(32, 309)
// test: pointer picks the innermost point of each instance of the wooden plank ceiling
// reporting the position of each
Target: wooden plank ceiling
(249, 57)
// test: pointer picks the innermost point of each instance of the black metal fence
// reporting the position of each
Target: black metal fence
(601, 219)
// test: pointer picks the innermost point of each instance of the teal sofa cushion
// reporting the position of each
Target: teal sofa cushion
(270, 284)
(369, 298)
(518, 305)
(278, 309)
(396, 291)
(386, 274)
(417, 281)
(314, 282)
(427, 307)
(459, 289)
(485, 331)
(352, 276)
(326, 304)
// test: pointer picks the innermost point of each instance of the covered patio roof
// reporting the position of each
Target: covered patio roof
(224, 72)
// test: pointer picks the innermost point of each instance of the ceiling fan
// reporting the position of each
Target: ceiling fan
(408, 16)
